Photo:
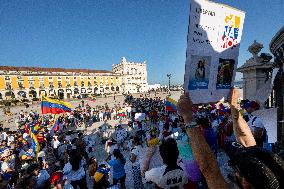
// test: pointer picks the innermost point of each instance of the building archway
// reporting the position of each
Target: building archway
(107, 90)
(51, 92)
(117, 88)
(68, 93)
(9, 95)
(33, 94)
(22, 94)
(1, 96)
(76, 91)
(89, 90)
(96, 90)
(112, 88)
(61, 93)
(42, 93)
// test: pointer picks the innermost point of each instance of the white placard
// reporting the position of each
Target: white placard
(213, 40)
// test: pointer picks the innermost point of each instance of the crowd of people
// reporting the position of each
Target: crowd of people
(164, 149)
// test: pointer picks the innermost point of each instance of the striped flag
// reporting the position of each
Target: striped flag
(171, 105)
(54, 106)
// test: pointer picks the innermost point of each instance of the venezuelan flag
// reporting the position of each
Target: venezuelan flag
(54, 106)
(34, 127)
(171, 105)
(56, 125)
(35, 144)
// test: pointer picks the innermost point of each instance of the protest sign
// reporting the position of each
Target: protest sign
(213, 40)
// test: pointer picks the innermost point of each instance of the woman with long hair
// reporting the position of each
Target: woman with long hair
(118, 164)
(74, 170)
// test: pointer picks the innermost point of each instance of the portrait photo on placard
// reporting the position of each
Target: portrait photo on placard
(225, 73)
(199, 72)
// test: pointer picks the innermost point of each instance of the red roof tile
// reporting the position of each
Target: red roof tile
(40, 69)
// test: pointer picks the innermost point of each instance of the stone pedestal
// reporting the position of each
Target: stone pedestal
(256, 73)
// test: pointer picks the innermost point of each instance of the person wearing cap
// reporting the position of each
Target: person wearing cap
(255, 123)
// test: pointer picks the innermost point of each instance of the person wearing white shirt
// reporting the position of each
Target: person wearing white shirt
(4, 135)
(170, 175)
(255, 123)
(10, 139)
(134, 158)
(55, 142)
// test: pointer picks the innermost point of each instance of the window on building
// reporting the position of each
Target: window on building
(50, 84)
(8, 86)
(82, 84)
(31, 84)
(20, 84)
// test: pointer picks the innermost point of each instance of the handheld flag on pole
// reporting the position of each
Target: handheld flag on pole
(171, 105)
(35, 144)
(56, 125)
(54, 106)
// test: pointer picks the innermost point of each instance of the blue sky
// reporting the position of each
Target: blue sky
(95, 34)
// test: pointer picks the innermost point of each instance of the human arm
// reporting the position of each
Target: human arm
(146, 163)
(241, 130)
(201, 150)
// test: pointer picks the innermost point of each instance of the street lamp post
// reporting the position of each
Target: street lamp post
(169, 76)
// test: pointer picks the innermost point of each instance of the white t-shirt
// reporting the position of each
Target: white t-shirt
(55, 143)
(167, 179)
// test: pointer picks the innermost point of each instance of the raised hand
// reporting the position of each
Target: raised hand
(184, 107)
(234, 103)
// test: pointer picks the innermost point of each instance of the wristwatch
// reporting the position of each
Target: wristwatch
(192, 124)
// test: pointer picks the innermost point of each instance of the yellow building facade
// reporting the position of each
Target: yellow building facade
(32, 82)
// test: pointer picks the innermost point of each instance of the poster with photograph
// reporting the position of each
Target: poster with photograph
(199, 78)
(213, 41)
(225, 73)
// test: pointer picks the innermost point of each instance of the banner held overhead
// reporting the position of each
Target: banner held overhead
(213, 41)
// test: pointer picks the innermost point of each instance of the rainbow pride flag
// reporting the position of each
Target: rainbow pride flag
(171, 105)
(54, 106)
